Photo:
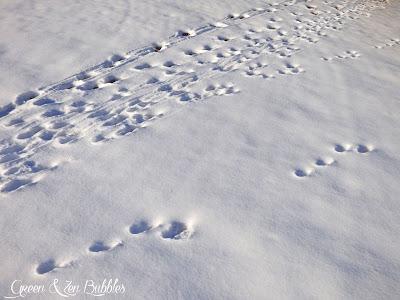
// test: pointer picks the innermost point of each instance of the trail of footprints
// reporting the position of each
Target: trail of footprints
(130, 91)
(388, 43)
(173, 231)
(352, 54)
(323, 162)
(178, 230)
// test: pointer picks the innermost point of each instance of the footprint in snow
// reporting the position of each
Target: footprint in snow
(324, 162)
(50, 265)
(100, 246)
(140, 227)
(176, 231)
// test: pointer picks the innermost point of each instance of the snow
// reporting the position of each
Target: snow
(251, 153)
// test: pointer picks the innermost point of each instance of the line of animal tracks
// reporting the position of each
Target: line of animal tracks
(132, 90)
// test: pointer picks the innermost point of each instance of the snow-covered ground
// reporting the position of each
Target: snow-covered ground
(200, 149)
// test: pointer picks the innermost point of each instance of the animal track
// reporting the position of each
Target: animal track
(176, 230)
(143, 66)
(88, 86)
(25, 97)
(364, 149)
(139, 227)
(99, 246)
(221, 89)
(15, 184)
(129, 91)
(44, 101)
(52, 113)
(6, 109)
(388, 43)
(50, 265)
(46, 267)
(320, 162)
(345, 55)
(340, 148)
(186, 33)
(291, 69)
(328, 161)
(360, 148)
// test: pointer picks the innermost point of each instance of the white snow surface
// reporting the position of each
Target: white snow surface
(201, 149)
